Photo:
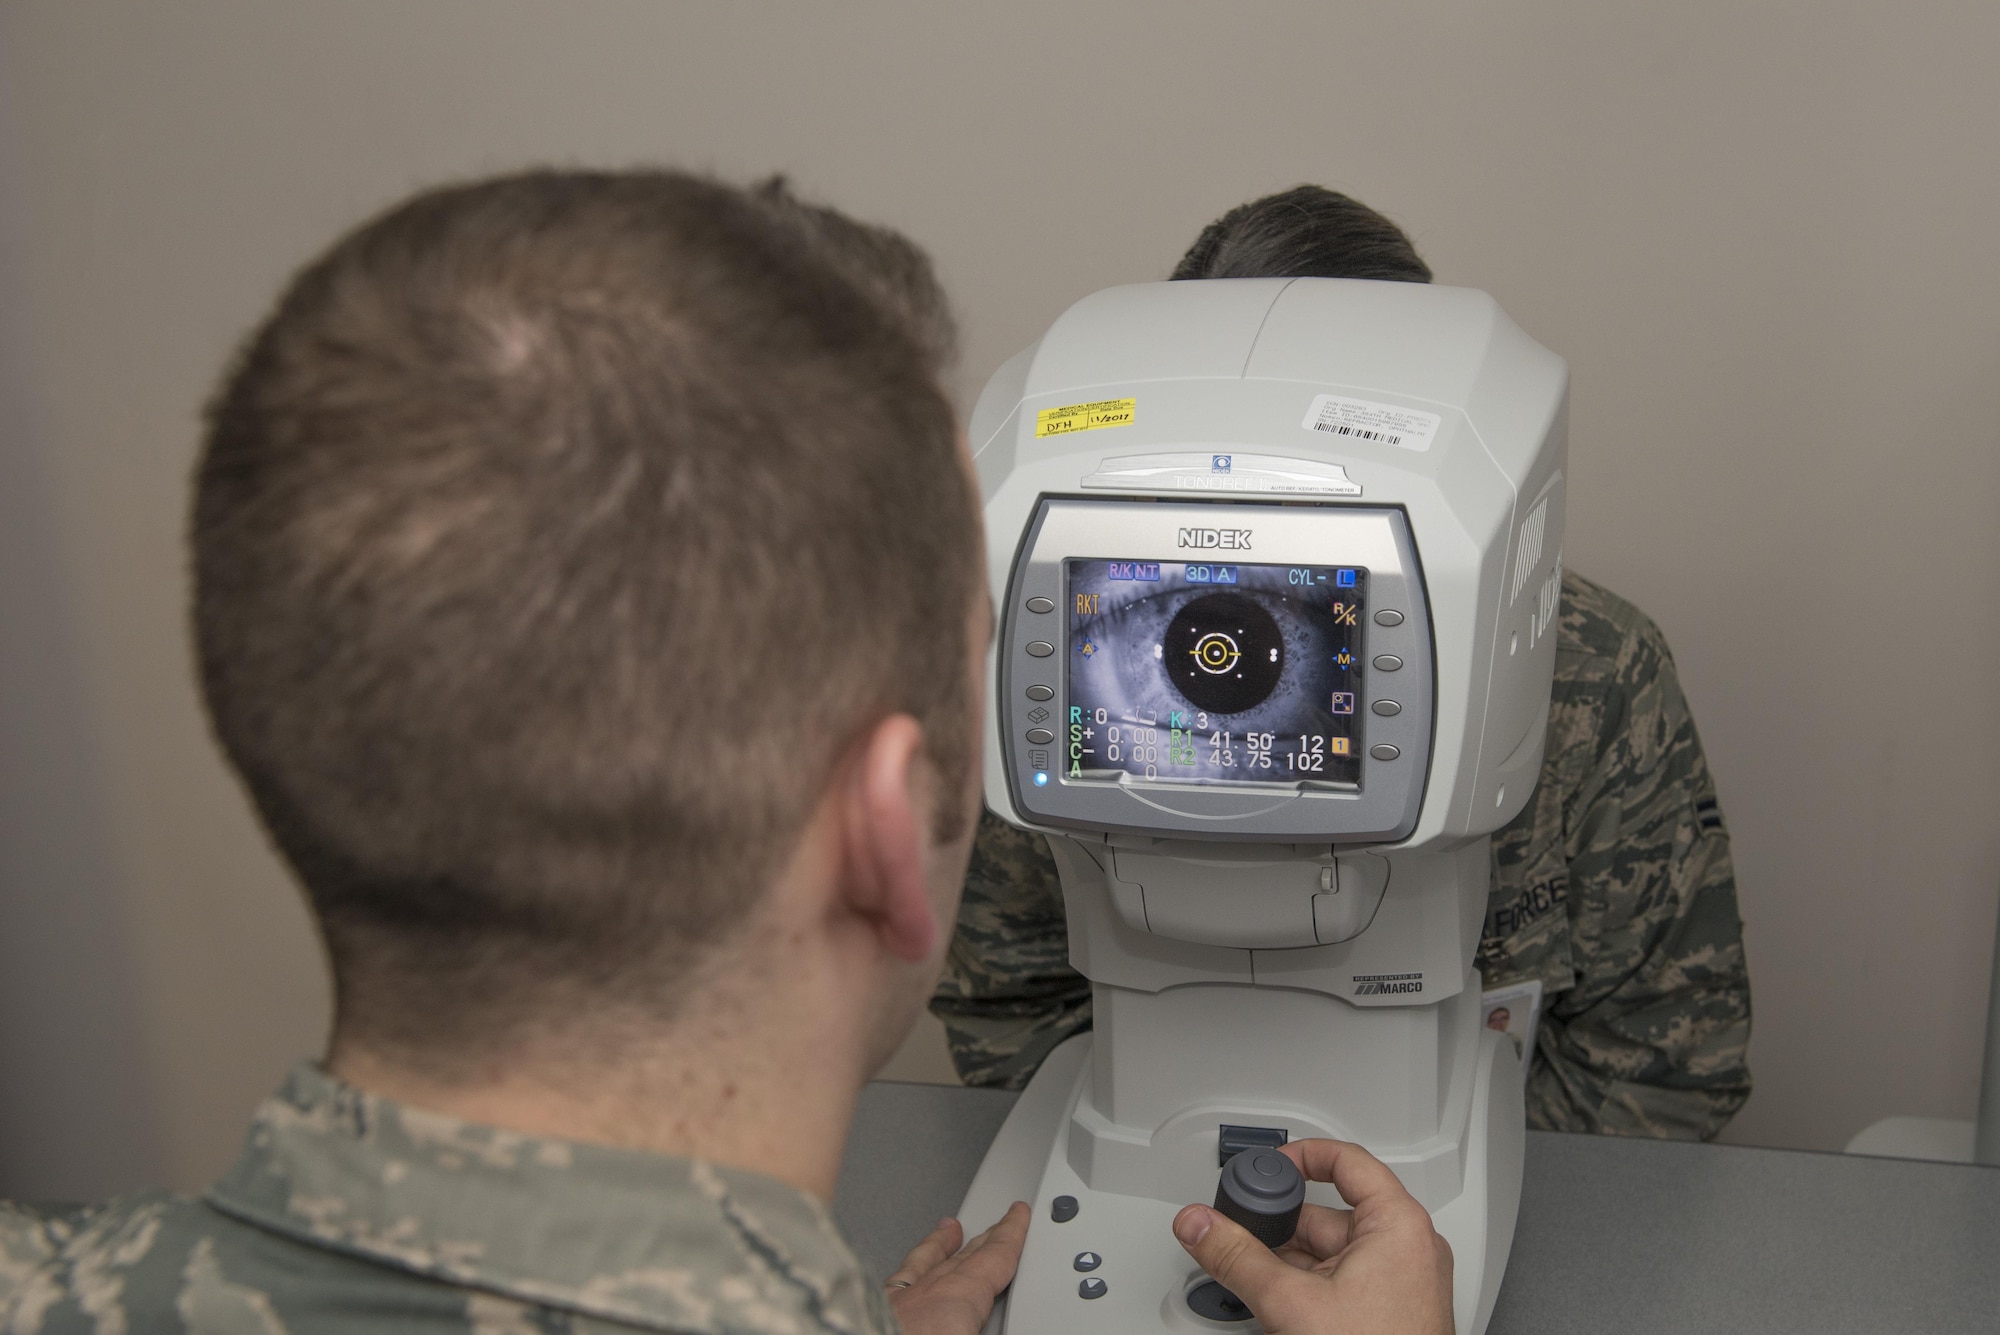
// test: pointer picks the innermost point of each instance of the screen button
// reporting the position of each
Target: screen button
(1040, 736)
(1041, 604)
(1383, 662)
(1384, 751)
(1041, 692)
(1386, 708)
(1040, 649)
(1388, 616)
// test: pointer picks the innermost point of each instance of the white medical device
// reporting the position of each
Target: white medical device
(1277, 564)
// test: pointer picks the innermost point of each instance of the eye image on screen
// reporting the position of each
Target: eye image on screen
(1214, 673)
(1224, 653)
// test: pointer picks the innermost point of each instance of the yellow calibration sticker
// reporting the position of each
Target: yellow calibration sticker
(1084, 417)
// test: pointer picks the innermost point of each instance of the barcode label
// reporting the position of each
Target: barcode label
(1373, 423)
(1358, 433)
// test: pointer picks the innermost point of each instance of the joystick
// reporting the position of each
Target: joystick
(1262, 1190)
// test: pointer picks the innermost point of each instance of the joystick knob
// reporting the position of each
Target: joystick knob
(1262, 1190)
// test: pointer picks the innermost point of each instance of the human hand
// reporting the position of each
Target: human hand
(1379, 1267)
(943, 1289)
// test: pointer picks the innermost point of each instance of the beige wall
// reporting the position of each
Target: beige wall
(1763, 236)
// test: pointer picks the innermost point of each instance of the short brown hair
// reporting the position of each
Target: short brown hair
(553, 539)
(1305, 232)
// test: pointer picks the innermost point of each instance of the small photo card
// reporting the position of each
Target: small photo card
(1513, 1010)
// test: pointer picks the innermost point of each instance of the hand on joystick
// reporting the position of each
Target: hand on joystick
(1380, 1267)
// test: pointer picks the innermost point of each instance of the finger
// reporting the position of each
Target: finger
(1363, 1181)
(1011, 1226)
(1298, 1258)
(941, 1242)
(1323, 1232)
(1243, 1265)
(990, 1262)
(987, 1266)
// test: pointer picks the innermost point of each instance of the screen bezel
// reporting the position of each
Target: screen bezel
(1386, 806)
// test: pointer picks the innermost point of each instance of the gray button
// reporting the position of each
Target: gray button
(1092, 1288)
(1383, 662)
(1041, 692)
(1088, 1260)
(1040, 649)
(1041, 604)
(1040, 737)
(1388, 616)
(1062, 1209)
(1384, 751)
(1386, 708)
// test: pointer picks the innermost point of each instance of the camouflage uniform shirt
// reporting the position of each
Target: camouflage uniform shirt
(349, 1211)
(1613, 887)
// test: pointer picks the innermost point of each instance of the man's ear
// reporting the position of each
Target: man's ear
(888, 807)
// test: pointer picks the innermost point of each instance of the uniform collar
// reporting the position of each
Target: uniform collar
(655, 1240)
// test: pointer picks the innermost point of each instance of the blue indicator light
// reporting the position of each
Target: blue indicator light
(1041, 780)
(1345, 579)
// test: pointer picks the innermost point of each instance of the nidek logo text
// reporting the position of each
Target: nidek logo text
(1236, 539)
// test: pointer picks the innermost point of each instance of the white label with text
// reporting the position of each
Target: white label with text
(1372, 423)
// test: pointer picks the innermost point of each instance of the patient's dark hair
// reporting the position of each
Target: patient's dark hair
(1305, 232)
(553, 540)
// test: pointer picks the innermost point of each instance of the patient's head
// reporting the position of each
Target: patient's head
(1305, 232)
(552, 540)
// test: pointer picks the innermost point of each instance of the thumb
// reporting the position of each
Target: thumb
(1225, 1249)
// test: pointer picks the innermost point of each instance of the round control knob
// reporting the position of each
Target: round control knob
(1262, 1190)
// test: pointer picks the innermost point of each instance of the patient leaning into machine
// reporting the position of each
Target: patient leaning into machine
(1613, 909)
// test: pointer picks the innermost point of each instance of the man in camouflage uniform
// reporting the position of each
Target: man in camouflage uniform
(493, 628)
(587, 588)
(348, 1210)
(1613, 888)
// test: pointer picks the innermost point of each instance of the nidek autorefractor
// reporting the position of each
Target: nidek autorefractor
(1277, 564)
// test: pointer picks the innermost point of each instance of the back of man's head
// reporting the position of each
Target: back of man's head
(553, 539)
(1305, 232)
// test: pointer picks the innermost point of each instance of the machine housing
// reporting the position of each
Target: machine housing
(1278, 564)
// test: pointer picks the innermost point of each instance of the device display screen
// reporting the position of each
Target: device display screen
(1211, 672)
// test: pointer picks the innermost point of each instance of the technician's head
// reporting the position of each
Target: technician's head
(557, 541)
(1305, 232)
